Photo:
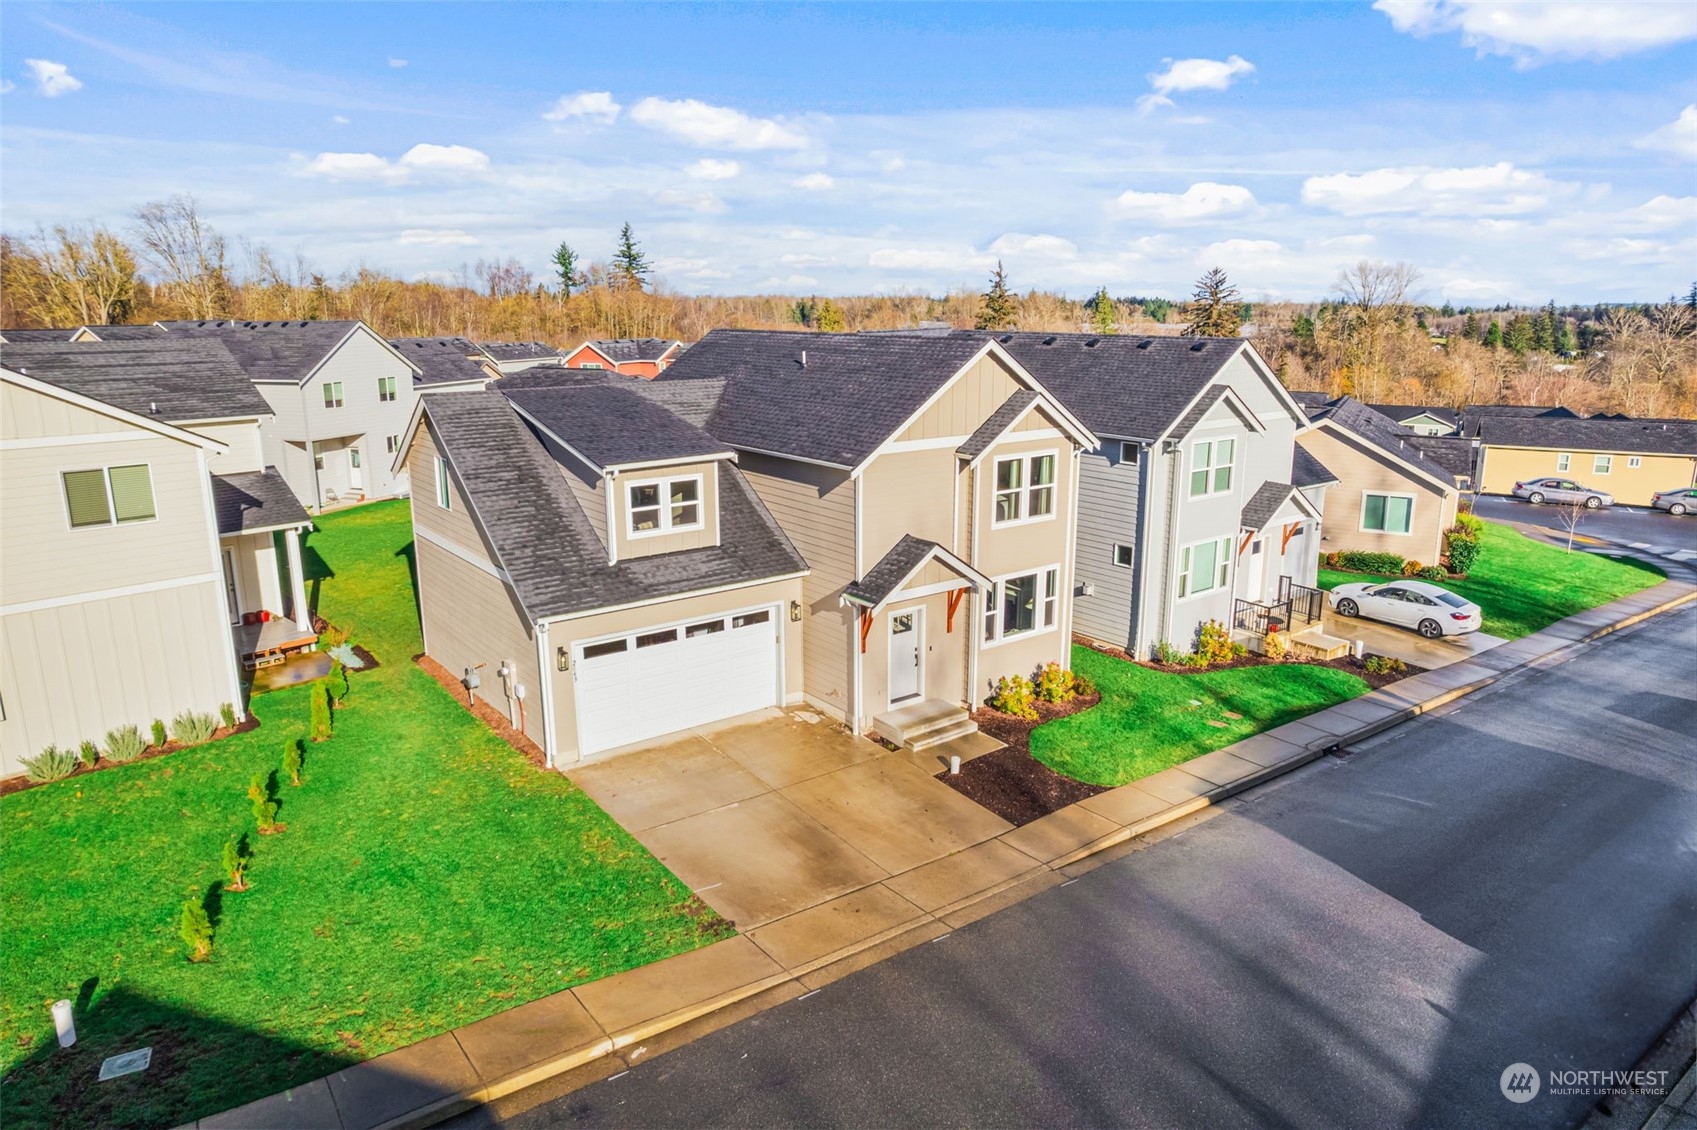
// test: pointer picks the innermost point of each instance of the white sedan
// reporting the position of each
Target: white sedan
(1428, 609)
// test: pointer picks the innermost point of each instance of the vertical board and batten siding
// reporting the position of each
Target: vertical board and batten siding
(1107, 516)
(907, 492)
(984, 386)
(244, 452)
(815, 507)
(470, 616)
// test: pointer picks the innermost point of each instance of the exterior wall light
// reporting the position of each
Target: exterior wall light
(562, 659)
(795, 611)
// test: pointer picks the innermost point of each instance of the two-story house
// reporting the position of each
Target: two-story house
(1189, 508)
(143, 535)
(634, 357)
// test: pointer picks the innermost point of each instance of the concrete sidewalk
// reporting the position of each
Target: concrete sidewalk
(605, 1026)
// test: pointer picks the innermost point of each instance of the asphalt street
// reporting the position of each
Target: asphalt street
(1369, 941)
(1624, 524)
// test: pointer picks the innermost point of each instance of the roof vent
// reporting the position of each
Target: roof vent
(1005, 338)
(1199, 347)
(804, 359)
(1050, 340)
(1145, 343)
(1091, 344)
(153, 407)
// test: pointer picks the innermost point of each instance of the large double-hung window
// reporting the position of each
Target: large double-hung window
(663, 506)
(108, 495)
(1022, 604)
(1211, 466)
(1025, 488)
(1204, 567)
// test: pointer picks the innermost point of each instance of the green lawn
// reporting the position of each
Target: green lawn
(1149, 720)
(1523, 585)
(429, 877)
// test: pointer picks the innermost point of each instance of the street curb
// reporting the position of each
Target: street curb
(808, 976)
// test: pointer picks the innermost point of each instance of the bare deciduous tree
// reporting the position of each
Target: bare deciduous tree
(188, 253)
(1377, 303)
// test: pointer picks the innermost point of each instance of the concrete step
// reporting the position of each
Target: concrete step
(932, 738)
(922, 722)
(1315, 644)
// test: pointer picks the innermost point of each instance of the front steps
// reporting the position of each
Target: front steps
(924, 724)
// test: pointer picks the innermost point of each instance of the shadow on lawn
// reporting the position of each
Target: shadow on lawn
(201, 1066)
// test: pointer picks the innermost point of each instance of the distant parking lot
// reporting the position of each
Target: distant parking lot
(1626, 524)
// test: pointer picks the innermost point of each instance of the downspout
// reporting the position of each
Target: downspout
(311, 455)
(1069, 565)
(545, 676)
(1140, 573)
(856, 674)
(232, 660)
(975, 614)
(1169, 549)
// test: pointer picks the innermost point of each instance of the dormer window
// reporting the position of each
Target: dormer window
(664, 506)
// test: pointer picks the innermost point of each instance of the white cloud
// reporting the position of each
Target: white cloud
(1678, 136)
(1034, 246)
(714, 127)
(397, 63)
(709, 168)
(593, 105)
(1663, 213)
(694, 201)
(337, 119)
(814, 182)
(1531, 30)
(422, 158)
(351, 166)
(1201, 202)
(928, 259)
(51, 79)
(792, 281)
(7, 86)
(807, 260)
(1478, 290)
(445, 158)
(1482, 190)
(435, 237)
(889, 160)
(1192, 74)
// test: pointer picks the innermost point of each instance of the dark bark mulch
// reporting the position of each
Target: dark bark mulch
(1348, 663)
(366, 658)
(1010, 782)
(19, 783)
(485, 713)
(1357, 667)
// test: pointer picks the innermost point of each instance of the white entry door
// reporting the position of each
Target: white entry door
(907, 655)
(661, 680)
(1255, 571)
(356, 472)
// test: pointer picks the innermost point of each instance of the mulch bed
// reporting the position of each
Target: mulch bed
(1348, 663)
(366, 658)
(1010, 782)
(485, 713)
(19, 783)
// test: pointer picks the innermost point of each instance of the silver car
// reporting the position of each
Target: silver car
(1682, 501)
(1432, 611)
(1562, 490)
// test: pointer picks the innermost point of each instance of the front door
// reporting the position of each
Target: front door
(356, 474)
(907, 655)
(1255, 571)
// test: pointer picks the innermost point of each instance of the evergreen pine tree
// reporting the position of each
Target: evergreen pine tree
(1518, 334)
(828, 318)
(1691, 297)
(1215, 309)
(630, 265)
(1494, 334)
(998, 309)
(1102, 312)
(1470, 328)
(1544, 331)
(1566, 344)
(565, 266)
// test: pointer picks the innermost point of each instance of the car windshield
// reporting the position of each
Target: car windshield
(1451, 599)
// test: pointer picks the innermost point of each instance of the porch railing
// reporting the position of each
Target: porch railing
(1253, 616)
(1306, 604)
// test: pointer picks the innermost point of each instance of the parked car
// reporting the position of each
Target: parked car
(1681, 501)
(1562, 490)
(1432, 611)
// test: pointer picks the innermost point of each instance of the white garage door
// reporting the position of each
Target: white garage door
(661, 680)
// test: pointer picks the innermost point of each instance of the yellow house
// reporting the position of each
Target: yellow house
(1629, 459)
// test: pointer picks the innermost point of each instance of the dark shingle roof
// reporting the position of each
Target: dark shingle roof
(854, 392)
(1479, 411)
(185, 378)
(611, 426)
(517, 350)
(272, 351)
(634, 348)
(691, 401)
(255, 500)
(1123, 386)
(891, 570)
(996, 423)
(1349, 413)
(553, 557)
(1453, 453)
(440, 359)
(1311, 399)
(126, 333)
(1307, 471)
(1649, 437)
(1401, 412)
(17, 337)
(1263, 504)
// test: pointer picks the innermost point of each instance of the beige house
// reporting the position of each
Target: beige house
(141, 530)
(1390, 495)
(1629, 459)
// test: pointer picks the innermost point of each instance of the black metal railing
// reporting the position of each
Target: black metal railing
(1306, 604)
(1253, 616)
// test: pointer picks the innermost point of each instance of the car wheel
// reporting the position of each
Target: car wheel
(1347, 607)
(1677, 509)
(1593, 502)
(1431, 629)
(1536, 498)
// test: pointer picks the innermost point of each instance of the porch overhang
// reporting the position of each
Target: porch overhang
(887, 580)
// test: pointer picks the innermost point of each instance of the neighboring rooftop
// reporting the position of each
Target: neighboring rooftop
(612, 426)
(125, 333)
(625, 349)
(1307, 471)
(174, 379)
(1354, 416)
(1571, 433)
(1263, 504)
(18, 337)
(518, 350)
(1401, 412)
(441, 360)
(254, 502)
(279, 351)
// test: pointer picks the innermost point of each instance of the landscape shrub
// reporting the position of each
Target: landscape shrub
(193, 729)
(124, 744)
(1214, 644)
(1165, 652)
(1362, 561)
(1434, 573)
(1015, 695)
(236, 858)
(336, 684)
(1274, 646)
(1083, 685)
(196, 930)
(89, 753)
(292, 761)
(1470, 524)
(159, 731)
(1334, 560)
(1384, 665)
(1463, 552)
(51, 764)
(1411, 568)
(320, 726)
(228, 713)
(1054, 683)
(264, 808)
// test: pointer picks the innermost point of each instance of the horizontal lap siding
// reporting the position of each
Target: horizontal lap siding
(359, 363)
(1107, 515)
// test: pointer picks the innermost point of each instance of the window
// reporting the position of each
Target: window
(353, 458)
(705, 628)
(1633, 462)
(332, 394)
(665, 506)
(749, 619)
(317, 456)
(1128, 453)
(110, 494)
(1123, 556)
(590, 365)
(1564, 462)
(1025, 488)
(385, 389)
(1204, 567)
(1387, 513)
(1211, 467)
(597, 650)
(1602, 464)
(654, 639)
(443, 498)
(1017, 606)
(392, 444)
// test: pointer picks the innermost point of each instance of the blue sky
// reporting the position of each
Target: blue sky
(1520, 151)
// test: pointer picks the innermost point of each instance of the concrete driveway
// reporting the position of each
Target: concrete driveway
(1405, 643)
(774, 814)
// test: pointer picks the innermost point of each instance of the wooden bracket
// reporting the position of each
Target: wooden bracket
(954, 604)
(1243, 545)
(1290, 532)
(865, 627)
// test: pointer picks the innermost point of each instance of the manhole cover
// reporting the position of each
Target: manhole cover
(127, 1064)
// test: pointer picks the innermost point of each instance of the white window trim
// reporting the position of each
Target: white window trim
(1227, 547)
(112, 521)
(1025, 488)
(390, 393)
(1213, 445)
(391, 444)
(444, 497)
(1633, 462)
(1362, 527)
(666, 525)
(993, 600)
(1128, 452)
(339, 395)
(1114, 555)
(1564, 462)
(1602, 464)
